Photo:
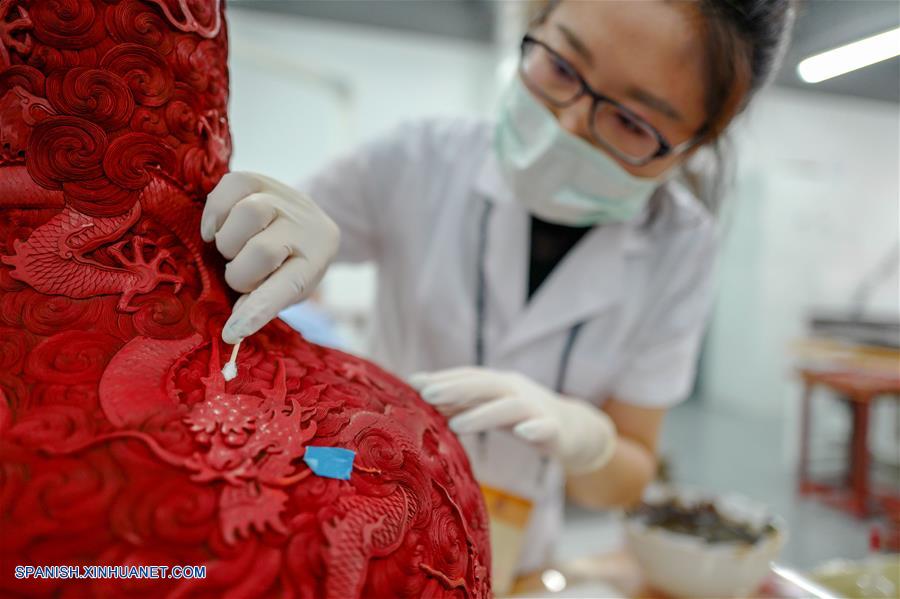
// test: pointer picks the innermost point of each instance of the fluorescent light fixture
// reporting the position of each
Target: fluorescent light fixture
(850, 57)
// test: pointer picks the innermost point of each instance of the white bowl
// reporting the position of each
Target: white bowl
(684, 565)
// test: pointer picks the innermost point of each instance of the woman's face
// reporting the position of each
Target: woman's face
(645, 54)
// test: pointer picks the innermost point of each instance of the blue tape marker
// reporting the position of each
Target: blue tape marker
(329, 462)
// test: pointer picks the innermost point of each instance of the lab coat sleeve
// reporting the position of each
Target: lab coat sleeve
(355, 189)
(660, 364)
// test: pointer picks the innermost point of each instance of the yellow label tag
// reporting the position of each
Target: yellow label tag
(508, 515)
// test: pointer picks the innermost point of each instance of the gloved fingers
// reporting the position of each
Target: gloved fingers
(247, 218)
(503, 412)
(449, 410)
(470, 390)
(274, 185)
(420, 380)
(234, 309)
(291, 283)
(231, 189)
(261, 255)
(542, 431)
(240, 302)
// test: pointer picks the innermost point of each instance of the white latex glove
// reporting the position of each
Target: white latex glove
(581, 436)
(278, 241)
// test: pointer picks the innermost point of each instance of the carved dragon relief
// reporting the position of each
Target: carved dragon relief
(114, 416)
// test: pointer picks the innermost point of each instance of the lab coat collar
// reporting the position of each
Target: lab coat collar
(588, 281)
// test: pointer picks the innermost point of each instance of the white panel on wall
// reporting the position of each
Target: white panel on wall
(389, 76)
(284, 118)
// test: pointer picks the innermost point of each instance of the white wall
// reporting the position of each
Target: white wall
(815, 208)
(303, 90)
(287, 117)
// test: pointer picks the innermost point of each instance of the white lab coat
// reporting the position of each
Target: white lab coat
(414, 202)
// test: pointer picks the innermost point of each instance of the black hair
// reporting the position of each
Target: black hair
(745, 41)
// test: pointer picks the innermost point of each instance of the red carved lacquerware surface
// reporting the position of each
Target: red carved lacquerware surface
(120, 442)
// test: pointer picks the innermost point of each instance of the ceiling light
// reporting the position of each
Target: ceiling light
(850, 57)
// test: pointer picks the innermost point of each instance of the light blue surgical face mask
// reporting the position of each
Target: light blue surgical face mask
(560, 177)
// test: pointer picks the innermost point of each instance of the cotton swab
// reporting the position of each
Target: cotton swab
(229, 371)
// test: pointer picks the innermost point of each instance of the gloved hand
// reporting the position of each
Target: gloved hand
(581, 436)
(278, 241)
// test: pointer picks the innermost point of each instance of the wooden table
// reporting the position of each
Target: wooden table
(860, 389)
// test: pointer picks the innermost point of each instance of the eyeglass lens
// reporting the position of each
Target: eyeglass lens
(556, 80)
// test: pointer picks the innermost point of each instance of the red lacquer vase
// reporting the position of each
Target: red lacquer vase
(120, 442)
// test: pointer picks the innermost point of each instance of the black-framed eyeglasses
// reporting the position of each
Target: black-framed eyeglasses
(612, 125)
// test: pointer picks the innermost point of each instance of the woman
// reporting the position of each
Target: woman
(545, 274)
